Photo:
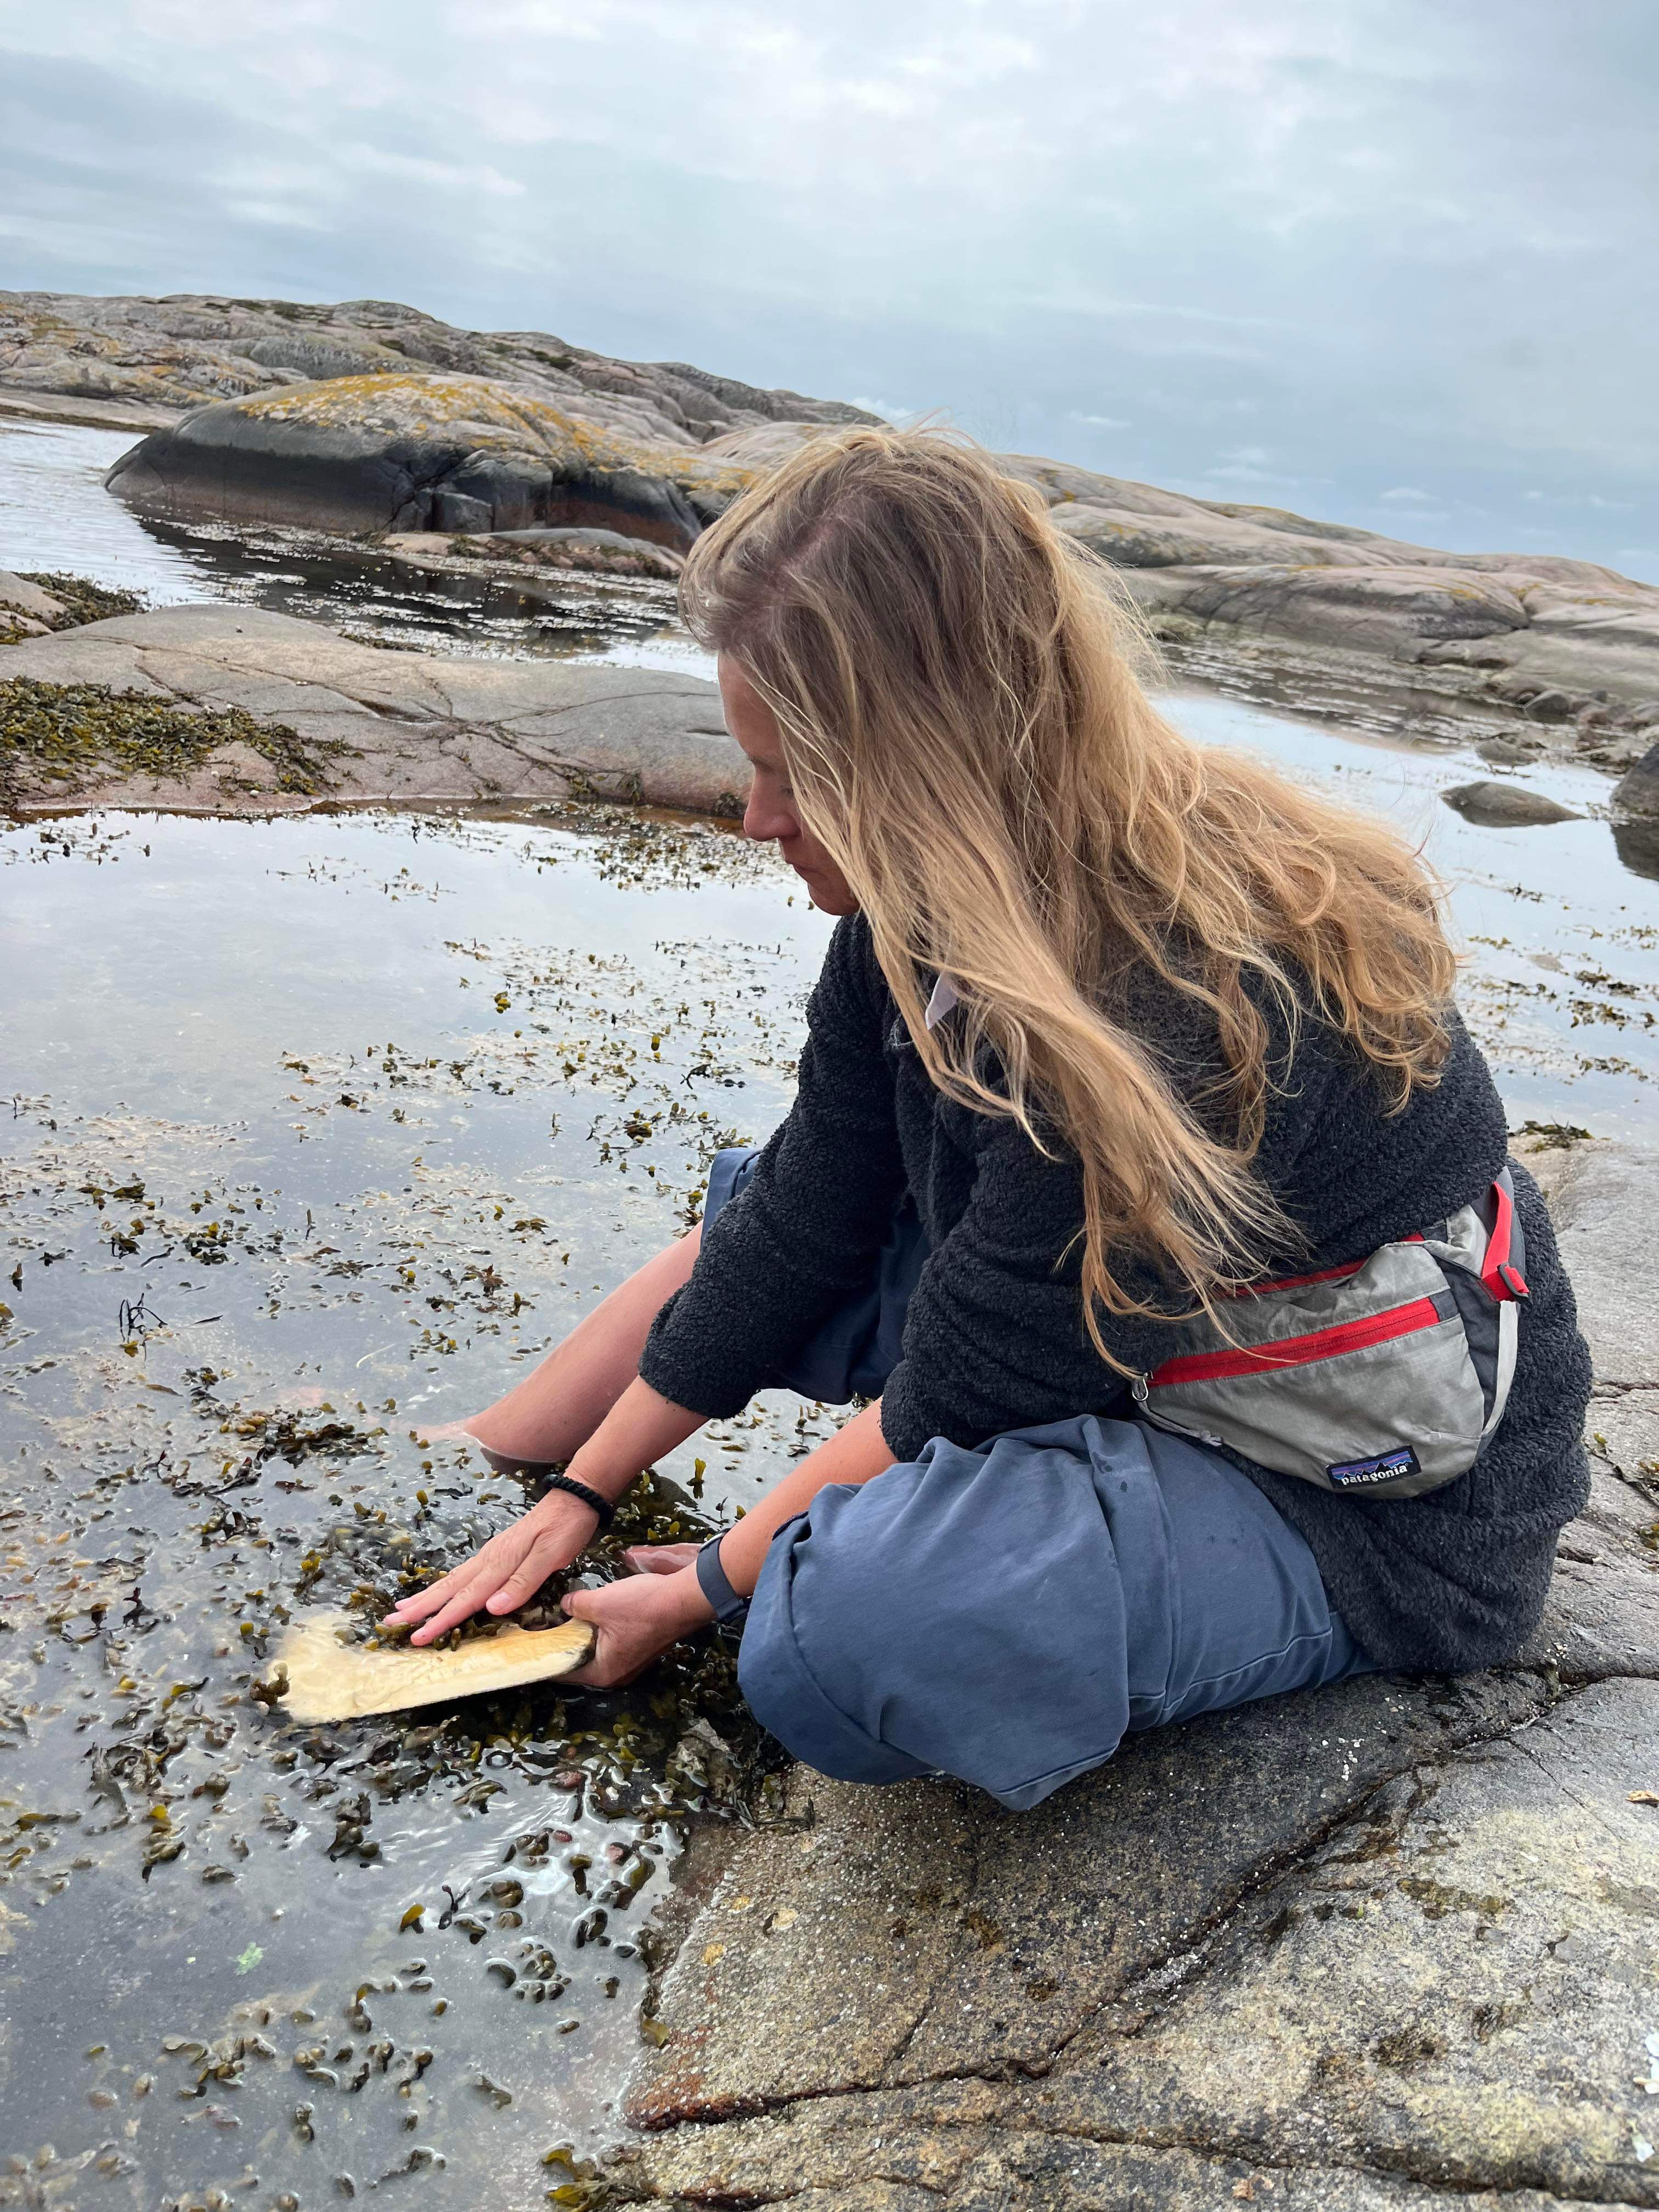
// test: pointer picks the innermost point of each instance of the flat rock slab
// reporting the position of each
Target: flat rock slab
(975, 2146)
(915, 1932)
(90, 411)
(1375, 1946)
(415, 727)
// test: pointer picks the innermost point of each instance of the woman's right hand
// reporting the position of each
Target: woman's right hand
(502, 1573)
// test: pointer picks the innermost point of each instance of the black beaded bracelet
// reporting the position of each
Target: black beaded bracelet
(602, 1506)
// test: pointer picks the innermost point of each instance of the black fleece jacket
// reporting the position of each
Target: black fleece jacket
(994, 1338)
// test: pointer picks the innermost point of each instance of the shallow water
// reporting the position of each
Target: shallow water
(56, 515)
(319, 1126)
(1558, 924)
(324, 1125)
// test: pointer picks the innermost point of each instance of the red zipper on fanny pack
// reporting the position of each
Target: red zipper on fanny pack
(1298, 1351)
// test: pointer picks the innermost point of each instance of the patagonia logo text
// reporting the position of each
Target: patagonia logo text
(1363, 1473)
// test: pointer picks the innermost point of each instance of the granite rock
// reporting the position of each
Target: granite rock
(1637, 788)
(1505, 805)
(368, 415)
(26, 610)
(397, 725)
(189, 349)
(358, 455)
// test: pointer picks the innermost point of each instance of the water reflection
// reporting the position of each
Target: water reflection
(56, 515)
(1636, 844)
(318, 1128)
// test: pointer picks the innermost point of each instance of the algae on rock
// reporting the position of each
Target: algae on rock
(67, 735)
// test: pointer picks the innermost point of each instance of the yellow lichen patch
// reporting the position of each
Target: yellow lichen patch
(412, 405)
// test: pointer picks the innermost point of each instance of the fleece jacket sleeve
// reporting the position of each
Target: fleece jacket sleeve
(802, 1239)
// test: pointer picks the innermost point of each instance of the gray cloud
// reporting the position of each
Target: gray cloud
(1324, 255)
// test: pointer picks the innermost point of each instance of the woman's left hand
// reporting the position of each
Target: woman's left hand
(639, 1617)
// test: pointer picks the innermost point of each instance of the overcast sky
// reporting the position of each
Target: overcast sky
(1393, 263)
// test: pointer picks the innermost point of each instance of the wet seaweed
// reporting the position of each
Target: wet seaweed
(392, 1906)
(62, 736)
(82, 600)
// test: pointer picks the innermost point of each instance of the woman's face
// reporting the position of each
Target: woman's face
(770, 813)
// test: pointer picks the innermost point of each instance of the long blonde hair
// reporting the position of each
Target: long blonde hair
(954, 686)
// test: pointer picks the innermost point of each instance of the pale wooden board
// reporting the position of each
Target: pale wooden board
(330, 1679)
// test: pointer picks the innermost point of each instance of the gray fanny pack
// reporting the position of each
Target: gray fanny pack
(1383, 1378)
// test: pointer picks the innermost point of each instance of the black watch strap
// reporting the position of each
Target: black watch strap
(602, 1506)
(729, 1606)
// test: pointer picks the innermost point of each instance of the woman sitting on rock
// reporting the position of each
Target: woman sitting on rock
(1112, 1028)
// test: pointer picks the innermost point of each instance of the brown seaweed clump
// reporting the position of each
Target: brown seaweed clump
(59, 737)
(82, 600)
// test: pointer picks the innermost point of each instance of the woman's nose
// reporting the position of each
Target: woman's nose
(767, 820)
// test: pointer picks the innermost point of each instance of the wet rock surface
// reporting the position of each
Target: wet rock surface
(352, 721)
(1499, 805)
(564, 549)
(1380, 1944)
(37, 604)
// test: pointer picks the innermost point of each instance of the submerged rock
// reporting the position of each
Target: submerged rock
(563, 549)
(334, 719)
(1505, 805)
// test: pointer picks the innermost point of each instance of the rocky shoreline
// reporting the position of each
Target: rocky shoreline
(1367, 1950)
(415, 727)
(1378, 1948)
(369, 418)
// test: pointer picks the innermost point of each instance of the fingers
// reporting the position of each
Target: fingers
(419, 1603)
(660, 1558)
(509, 1569)
(609, 1666)
(497, 1586)
(543, 1559)
(460, 1607)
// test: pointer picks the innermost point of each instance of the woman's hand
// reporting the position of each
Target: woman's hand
(639, 1617)
(502, 1573)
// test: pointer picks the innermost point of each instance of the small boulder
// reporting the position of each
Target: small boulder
(1638, 790)
(1504, 752)
(601, 551)
(1505, 805)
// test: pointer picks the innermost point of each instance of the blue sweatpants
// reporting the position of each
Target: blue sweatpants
(1006, 1614)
